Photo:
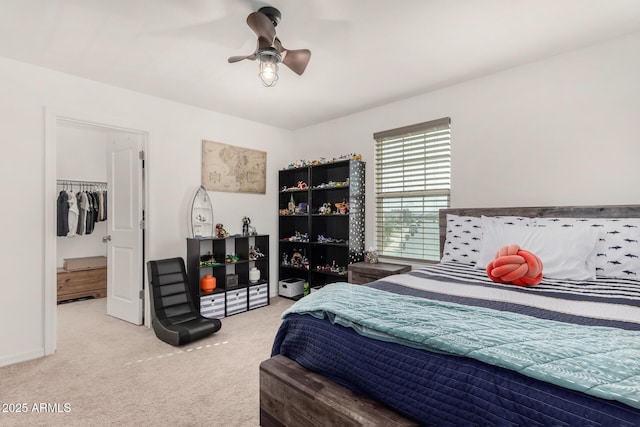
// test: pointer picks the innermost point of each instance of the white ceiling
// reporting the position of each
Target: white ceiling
(365, 53)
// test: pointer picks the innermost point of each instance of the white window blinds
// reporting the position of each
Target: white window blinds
(413, 182)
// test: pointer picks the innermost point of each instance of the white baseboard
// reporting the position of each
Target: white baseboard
(11, 359)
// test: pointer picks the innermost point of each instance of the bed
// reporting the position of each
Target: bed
(446, 345)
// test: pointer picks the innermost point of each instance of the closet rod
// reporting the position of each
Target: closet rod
(75, 181)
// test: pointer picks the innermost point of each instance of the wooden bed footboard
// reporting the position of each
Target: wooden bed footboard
(291, 395)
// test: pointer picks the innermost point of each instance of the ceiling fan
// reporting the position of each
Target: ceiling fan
(270, 51)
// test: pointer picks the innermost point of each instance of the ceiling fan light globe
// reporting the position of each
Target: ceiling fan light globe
(268, 68)
(268, 73)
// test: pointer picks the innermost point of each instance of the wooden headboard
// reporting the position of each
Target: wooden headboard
(611, 211)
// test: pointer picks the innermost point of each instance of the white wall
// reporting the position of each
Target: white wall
(81, 155)
(562, 131)
(173, 173)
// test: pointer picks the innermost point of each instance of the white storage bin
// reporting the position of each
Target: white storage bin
(290, 288)
(212, 306)
(236, 301)
(258, 295)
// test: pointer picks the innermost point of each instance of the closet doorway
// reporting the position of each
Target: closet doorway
(91, 153)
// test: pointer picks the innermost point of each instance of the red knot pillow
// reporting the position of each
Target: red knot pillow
(514, 265)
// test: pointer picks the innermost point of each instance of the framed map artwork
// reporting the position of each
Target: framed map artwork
(233, 169)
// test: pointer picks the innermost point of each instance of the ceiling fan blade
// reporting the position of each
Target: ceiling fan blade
(240, 58)
(253, 57)
(263, 43)
(297, 60)
(262, 26)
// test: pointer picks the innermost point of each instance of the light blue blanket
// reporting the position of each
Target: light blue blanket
(600, 361)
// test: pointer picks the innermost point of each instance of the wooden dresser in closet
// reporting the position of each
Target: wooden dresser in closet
(87, 282)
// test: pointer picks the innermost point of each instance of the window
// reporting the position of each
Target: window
(413, 182)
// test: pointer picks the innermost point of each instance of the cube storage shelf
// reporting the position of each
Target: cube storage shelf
(314, 245)
(239, 295)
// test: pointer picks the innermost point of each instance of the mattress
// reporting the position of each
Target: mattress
(444, 389)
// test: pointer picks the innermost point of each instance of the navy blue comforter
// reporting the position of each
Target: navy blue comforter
(436, 389)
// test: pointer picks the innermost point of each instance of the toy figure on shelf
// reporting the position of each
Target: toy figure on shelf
(231, 258)
(298, 237)
(297, 164)
(302, 185)
(342, 208)
(301, 208)
(324, 239)
(299, 260)
(255, 253)
(245, 225)
(291, 207)
(333, 184)
(332, 268)
(325, 209)
(325, 267)
(208, 260)
(220, 231)
(296, 259)
(285, 259)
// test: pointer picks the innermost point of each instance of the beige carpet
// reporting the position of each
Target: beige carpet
(109, 372)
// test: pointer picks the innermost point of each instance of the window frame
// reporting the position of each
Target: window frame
(424, 183)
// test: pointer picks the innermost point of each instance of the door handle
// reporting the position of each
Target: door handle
(106, 239)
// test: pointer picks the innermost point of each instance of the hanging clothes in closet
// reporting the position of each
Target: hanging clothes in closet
(73, 214)
(78, 212)
(83, 208)
(63, 214)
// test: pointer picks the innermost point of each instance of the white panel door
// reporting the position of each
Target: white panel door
(124, 219)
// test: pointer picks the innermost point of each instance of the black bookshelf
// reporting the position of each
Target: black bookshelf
(317, 239)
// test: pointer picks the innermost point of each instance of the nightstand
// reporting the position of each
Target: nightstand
(363, 272)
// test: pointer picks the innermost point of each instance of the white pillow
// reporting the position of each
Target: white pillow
(565, 253)
(464, 236)
(618, 247)
(463, 239)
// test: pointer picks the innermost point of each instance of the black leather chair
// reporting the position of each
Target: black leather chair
(175, 319)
